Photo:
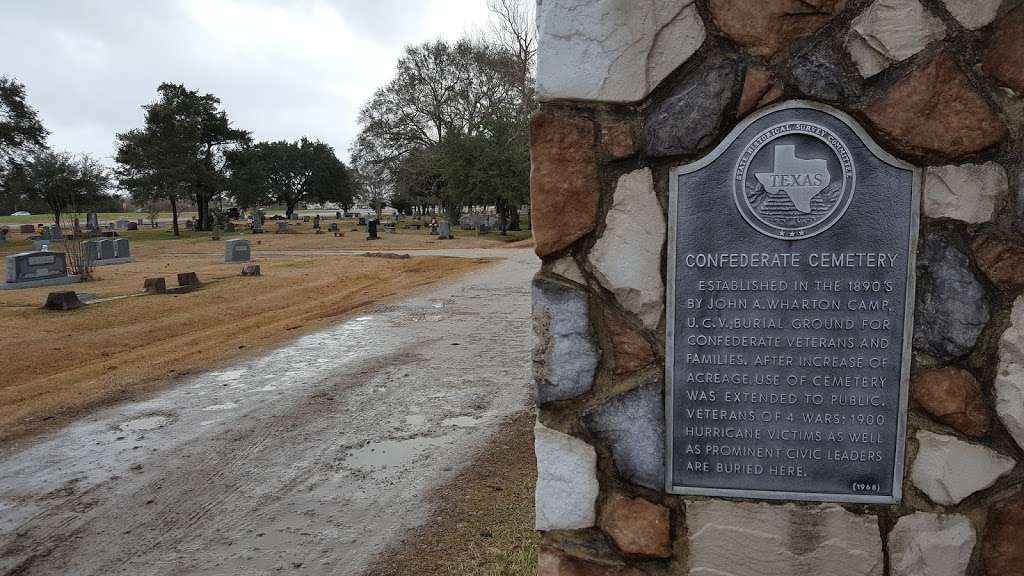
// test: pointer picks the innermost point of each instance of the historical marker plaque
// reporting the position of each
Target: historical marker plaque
(791, 282)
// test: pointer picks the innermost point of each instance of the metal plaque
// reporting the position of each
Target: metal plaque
(790, 307)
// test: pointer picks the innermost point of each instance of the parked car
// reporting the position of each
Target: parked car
(21, 213)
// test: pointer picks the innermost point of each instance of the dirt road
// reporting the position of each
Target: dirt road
(307, 460)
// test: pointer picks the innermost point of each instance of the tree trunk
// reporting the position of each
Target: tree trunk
(513, 220)
(174, 216)
(289, 209)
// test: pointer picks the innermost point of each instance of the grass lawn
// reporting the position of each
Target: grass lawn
(69, 362)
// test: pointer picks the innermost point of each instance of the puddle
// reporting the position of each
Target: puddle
(144, 423)
(391, 453)
(228, 376)
(225, 406)
(415, 419)
(460, 422)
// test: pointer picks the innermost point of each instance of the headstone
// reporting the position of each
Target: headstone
(91, 250)
(92, 221)
(188, 279)
(229, 227)
(29, 266)
(42, 245)
(371, 230)
(189, 224)
(215, 233)
(3, 234)
(27, 229)
(334, 227)
(106, 249)
(251, 270)
(305, 219)
(121, 224)
(337, 215)
(62, 301)
(282, 226)
(121, 248)
(257, 222)
(444, 230)
(294, 216)
(133, 226)
(237, 250)
(790, 295)
(54, 232)
(155, 285)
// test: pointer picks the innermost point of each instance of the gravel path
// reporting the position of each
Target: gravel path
(308, 460)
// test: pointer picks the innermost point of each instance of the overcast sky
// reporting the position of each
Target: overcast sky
(282, 69)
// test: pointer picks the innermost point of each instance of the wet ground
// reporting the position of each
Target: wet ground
(310, 459)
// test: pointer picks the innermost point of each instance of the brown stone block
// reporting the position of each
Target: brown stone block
(952, 396)
(1003, 553)
(617, 140)
(62, 301)
(935, 111)
(766, 27)
(552, 562)
(1004, 56)
(638, 527)
(760, 88)
(564, 184)
(155, 285)
(1001, 261)
(630, 350)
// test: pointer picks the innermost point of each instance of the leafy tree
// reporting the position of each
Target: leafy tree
(21, 135)
(182, 148)
(288, 173)
(21, 131)
(65, 183)
(451, 127)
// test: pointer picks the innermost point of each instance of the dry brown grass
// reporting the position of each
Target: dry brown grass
(57, 364)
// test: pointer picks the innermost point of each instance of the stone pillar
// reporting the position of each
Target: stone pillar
(630, 90)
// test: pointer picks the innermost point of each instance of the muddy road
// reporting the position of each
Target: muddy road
(309, 459)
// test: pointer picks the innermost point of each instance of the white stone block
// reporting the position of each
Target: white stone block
(1009, 384)
(567, 485)
(890, 31)
(948, 469)
(924, 544)
(741, 539)
(968, 192)
(627, 257)
(612, 51)
(973, 14)
(567, 268)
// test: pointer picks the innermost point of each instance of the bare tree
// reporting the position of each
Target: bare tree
(514, 28)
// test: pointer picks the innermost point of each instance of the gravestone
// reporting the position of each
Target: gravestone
(121, 248)
(305, 219)
(32, 266)
(91, 250)
(444, 230)
(155, 285)
(371, 230)
(3, 234)
(121, 224)
(237, 250)
(251, 270)
(282, 226)
(791, 277)
(42, 245)
(257, 222)
(189, 224)
(334, 227)
(62, 301)
(229, 226)
(54, 232)
(106, 249)
(27, 229)
(133, 226)
(92, 221)
(188, 279)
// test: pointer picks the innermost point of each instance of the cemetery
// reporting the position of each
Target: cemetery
(587, 288)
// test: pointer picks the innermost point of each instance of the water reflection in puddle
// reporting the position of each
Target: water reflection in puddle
(391, 453)
(145, 423)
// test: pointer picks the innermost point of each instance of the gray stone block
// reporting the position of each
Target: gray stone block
(121, 248)
(565, 354)
(237, 250)
(633, 425)
(952, 304)
(32, 266)
(106, 248)
(688, 119)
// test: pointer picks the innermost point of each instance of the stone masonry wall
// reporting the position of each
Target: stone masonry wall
(630, 88)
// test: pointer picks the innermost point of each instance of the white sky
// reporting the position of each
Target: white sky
(282, 69)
